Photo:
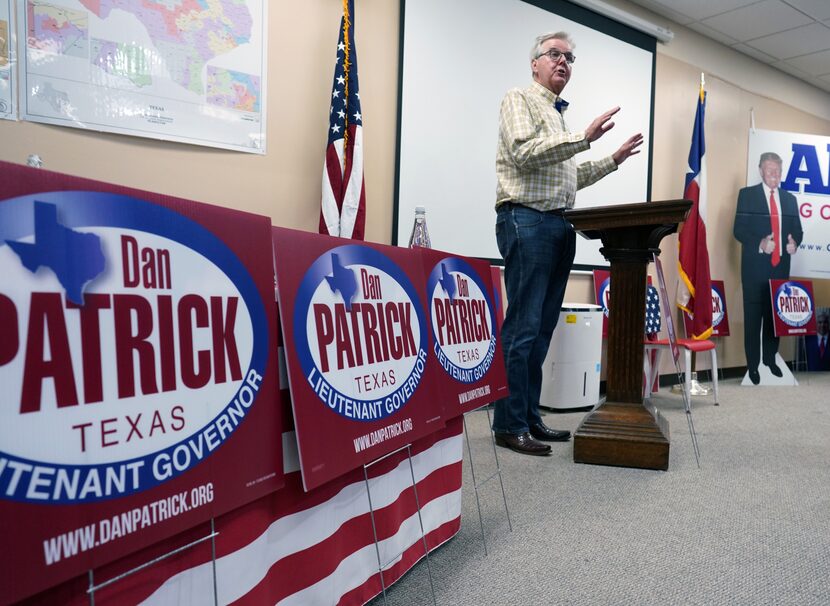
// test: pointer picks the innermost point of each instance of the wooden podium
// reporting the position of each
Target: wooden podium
(624, 431)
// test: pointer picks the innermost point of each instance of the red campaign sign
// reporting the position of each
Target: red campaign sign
(720, 313)
(139, 381)
(793, 311)
(463, 318)
(357, 348)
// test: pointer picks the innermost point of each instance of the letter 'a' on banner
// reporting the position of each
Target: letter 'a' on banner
(793, 309)
(138, 368)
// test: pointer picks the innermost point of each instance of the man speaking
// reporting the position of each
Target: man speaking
(537, 178)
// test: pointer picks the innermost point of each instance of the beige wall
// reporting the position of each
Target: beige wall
(285, 183)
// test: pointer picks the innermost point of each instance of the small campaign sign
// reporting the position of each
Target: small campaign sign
(465, 332)
(357, 347)
(792, 307)
(137, 365)
(720, 312)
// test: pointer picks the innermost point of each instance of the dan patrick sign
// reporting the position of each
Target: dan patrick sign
(462, 317)
(358, 350)
(792, 307)
(136, 373)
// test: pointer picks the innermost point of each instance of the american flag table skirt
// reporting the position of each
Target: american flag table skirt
(293, 547)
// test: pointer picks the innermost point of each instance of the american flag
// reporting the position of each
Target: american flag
(343, 207)
(693, 258)
(652, 311)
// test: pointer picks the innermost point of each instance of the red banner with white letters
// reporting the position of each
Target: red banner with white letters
(138, 371)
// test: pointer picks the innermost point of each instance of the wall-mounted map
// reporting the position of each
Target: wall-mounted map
(8, 89)
(180, 70)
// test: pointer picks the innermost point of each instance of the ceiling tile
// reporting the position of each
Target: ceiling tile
(817, 9)
(696, 9)
(792, 43)
(754, 53)
(792, 70)
(757, 20)
(817, 64)
(712, 33)
(660, 8)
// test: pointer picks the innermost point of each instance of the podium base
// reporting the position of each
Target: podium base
(623, 435)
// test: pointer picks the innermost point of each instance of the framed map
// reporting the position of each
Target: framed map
(177, 70)
(8, 85)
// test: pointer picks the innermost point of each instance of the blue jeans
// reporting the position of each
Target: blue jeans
(538, 250)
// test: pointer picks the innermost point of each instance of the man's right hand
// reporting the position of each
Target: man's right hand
(768, 245)
(600, 125)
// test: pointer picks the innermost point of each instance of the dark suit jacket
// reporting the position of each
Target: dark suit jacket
(752, 224)
(814, 360)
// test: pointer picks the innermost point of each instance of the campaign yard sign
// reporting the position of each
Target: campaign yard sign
(792, 307)
(357, 348)
(720, 312)
(138, 371)
(462, 312)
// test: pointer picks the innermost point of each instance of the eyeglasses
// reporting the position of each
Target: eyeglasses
(554, 54)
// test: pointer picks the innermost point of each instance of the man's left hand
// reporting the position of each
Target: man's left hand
(792, 246)
(629, 148)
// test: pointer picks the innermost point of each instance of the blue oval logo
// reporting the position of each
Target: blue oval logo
(359, 330)
(793, 304)
(462, 320)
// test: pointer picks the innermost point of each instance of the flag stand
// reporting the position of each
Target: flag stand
(675, 351)
(210, 537)
(496, 474)
(381, 564)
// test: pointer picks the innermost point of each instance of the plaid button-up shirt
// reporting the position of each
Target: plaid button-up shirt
(535, 163)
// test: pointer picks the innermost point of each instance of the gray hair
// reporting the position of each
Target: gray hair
(540, 40)
(771, 157)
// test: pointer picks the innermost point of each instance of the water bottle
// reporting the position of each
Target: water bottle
(420, 235)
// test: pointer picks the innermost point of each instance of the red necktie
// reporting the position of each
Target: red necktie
(776, 231)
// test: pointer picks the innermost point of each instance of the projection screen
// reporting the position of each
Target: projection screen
(458, 58)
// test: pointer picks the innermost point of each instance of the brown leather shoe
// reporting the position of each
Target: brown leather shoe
(522, 443)
(540, 431)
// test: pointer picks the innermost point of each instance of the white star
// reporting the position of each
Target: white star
(357, 116)
(341, 46)
(335, 129)
(341, 113)
(335, 93)
(341, 80)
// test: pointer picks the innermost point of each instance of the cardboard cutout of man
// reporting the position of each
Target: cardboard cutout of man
(768, 226)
